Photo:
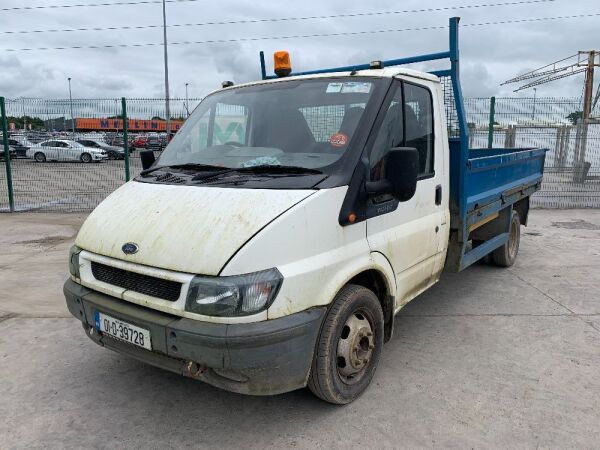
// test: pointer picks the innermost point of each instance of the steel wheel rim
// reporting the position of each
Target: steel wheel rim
(355, 347)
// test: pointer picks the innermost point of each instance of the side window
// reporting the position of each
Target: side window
(230, 124)
(390, 134)
(48, 144)
(418, 117)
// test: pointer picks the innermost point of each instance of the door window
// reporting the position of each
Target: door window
(408, 123)
(419, 125)
(390, 135)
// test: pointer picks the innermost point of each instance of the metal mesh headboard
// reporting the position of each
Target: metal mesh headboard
(450, 107)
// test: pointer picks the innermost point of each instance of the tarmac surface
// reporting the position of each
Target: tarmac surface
(487, 358)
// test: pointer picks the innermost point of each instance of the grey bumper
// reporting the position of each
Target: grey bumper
(259, 358)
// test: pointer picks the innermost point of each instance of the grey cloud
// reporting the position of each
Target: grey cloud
(490, 54)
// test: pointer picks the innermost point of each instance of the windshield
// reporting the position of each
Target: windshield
(300, 123)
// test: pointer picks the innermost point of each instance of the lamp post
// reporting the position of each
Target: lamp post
(187, 104)
(534, 97)
(71, 103)
(167, 108)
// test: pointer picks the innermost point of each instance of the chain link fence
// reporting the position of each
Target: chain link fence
(53, 168)
(69, 155)
(572, 169)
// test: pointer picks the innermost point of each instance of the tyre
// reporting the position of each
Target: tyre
(506, 255)
(39, 157)
(112, 155)
(85, 158)
(348, 347)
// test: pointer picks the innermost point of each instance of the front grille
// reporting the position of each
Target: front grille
(144, 284)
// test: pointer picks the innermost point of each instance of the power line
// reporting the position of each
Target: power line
(287, 19)
(79, 5)
(303, 36)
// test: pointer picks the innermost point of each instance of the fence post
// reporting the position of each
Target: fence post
(11, 199)
(125, 140)
(491, 125)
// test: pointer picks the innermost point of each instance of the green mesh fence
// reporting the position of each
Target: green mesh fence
(61, 178)
(69, 155)
(572, 172)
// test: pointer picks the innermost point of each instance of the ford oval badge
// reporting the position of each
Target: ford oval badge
(130, 248)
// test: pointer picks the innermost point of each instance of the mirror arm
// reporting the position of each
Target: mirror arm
(378, 187)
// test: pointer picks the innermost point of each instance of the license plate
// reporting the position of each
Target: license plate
(123, 331)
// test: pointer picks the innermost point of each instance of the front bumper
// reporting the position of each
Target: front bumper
(260, 358)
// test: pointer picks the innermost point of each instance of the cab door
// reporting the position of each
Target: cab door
(408, 233)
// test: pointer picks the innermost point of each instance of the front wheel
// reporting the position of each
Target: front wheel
(86, 158)
(506, 255)
(39, 157)
(349, 346)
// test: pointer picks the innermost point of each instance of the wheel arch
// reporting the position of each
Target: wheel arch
(374, 280)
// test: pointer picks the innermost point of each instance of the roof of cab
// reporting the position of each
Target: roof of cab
(387, 72)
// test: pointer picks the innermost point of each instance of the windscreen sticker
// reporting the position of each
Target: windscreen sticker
(356, 87)
(338, 140)
(334, 87)
(349, 87)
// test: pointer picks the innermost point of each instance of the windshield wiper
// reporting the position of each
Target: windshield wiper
(272, 168)
(263, 169)
(193, 166)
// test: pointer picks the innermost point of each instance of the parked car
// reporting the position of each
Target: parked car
(155, 143)
(11, 151)
(65, 150)
(140, 141)
(112, 151)
(20, 147)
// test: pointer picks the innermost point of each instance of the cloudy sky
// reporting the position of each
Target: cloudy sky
(490, 53)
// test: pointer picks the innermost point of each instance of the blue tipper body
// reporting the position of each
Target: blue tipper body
(483, 182)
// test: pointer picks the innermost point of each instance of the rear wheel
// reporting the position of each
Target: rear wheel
(349, 346)
(39, 157)
(86, 157)
(506, 255)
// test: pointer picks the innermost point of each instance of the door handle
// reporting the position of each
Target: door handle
(438, 194)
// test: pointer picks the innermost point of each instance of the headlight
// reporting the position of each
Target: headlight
(74, 261)
(239, 295)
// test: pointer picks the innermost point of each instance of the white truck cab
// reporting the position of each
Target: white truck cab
(272, 242)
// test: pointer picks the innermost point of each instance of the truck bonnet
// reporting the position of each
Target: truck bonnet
(189, 229)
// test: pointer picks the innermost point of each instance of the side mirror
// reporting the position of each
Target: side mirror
(147, 157)
(401, 168)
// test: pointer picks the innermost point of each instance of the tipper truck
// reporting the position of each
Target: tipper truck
(271, 244)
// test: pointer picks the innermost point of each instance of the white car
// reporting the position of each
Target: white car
(65, 150)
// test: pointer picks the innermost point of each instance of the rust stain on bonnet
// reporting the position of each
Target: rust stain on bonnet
(190, 229)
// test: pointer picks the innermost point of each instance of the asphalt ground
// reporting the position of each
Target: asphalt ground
(78, 187)
(487, 358)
